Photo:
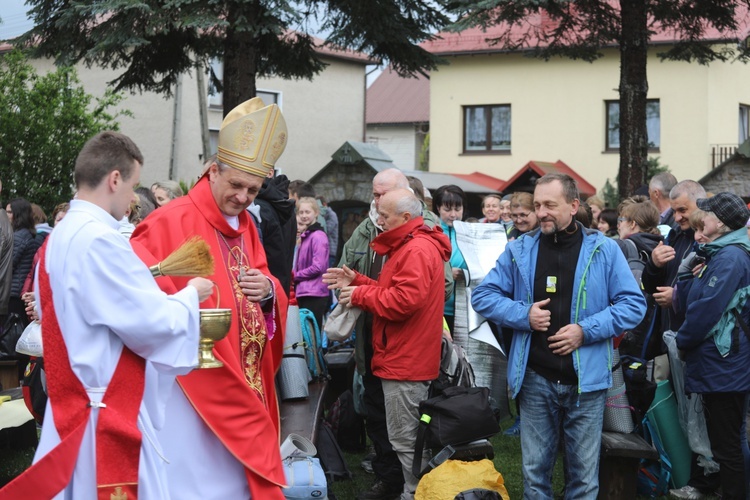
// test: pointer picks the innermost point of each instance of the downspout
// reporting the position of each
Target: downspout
(175, 125)
(364, 115)
(203, 113)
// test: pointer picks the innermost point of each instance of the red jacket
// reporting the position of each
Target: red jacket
(407, 301)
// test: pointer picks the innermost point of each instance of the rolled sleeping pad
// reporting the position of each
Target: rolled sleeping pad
(293, 374)
(663, 417)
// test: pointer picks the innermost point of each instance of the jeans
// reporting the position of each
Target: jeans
(402, 416)
(547, 408)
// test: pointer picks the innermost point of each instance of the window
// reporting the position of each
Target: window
(744, 123)
(653, 122)
(487, 128)
(215, 98)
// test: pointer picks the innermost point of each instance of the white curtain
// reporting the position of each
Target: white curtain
(653, 121)
(501, 128)
(476, 129)
(613, 125)
(653, 124)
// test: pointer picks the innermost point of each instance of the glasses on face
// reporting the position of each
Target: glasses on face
(622, 219)
(520, 216)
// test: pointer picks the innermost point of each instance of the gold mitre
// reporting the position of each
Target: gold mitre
(252, 137)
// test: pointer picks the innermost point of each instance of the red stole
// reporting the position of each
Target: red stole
(118, 440)
(247, 425)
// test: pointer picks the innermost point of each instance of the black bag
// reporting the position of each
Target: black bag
(331, 457)
(458, 416)
(12, 331)
(347, 426)
(33, 387)
(638, 387)
(455, 369)
(478, 494)
(645, 339)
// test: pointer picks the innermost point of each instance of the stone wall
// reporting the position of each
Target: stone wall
(733, 177)
(346, 182)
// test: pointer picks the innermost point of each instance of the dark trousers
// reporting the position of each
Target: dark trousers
(386, 464)
(725, 416)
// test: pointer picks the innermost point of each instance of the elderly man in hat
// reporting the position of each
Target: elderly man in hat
(715, 342)
(221, 435)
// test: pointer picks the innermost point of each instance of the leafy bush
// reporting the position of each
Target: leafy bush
(44, 122)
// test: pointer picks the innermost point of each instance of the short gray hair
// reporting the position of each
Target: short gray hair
(172, 188)
(691, 189)
(409, 204)
(569, 185)
(663, 182)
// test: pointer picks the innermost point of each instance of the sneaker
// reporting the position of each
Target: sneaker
(687, 492)
(515, 429)
(366, 462)
(381, 491)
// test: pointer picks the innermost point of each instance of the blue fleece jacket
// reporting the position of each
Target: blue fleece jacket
(606, 301)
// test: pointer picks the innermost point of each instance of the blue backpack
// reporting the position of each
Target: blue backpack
(654, 475)
(313, 347)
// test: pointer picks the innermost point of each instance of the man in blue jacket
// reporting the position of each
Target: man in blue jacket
(565, 291)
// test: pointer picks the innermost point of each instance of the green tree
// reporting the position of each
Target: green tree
(154, 41)
(44, 122)
(581, 29)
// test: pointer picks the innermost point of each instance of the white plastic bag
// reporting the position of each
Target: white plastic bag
(690, 410)
(30, 342)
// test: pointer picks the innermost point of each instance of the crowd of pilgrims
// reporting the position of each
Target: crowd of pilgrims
(650, 220)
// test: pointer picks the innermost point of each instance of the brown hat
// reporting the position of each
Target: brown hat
(252, 137)
(728, 208)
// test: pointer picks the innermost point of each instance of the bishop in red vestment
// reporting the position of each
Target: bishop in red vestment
(221, 434)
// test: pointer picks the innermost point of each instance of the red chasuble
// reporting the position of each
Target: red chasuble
(238, 401)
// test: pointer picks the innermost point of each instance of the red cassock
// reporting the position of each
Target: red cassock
(238, 401)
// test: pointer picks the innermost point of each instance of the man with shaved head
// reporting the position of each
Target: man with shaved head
(358, 256)
(405, 303)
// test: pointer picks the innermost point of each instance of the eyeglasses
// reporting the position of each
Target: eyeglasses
(520, 216)
(622, 219)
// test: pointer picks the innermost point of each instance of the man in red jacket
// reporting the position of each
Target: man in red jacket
(407, 304)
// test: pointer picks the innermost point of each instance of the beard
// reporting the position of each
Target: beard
(546, 229)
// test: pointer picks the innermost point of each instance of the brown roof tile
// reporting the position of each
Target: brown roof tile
(393, 99)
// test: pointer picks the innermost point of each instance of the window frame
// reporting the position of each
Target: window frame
(215, 98)
(611, 149)
(746, 108)
(488, 131)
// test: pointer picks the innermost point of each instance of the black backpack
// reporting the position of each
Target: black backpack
(346, 425)
(645, 340)
(455, 369)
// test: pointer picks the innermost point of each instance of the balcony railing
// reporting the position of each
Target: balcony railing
(721, 152)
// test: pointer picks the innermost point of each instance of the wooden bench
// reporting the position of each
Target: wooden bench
(618, 466)
(9, 374)
(303, 416)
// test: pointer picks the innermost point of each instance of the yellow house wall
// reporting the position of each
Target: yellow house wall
(558, 112)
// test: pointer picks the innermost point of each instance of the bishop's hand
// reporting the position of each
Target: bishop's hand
(255, 285)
